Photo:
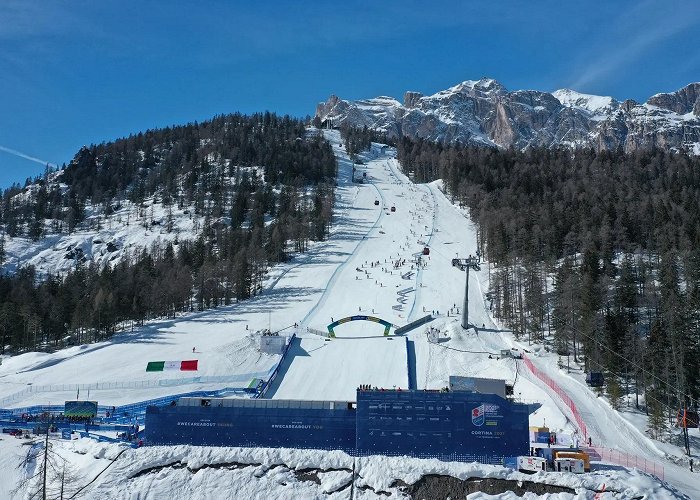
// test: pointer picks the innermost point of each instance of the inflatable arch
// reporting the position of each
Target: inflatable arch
(386, 324)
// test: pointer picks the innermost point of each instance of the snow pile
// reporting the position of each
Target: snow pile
(184, 472)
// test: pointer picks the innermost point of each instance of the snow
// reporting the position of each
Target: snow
(335, 279)
(185, 472)
(378, 103)
(594, 104)
(339, 366)
(129, 230)
(608, 428)
(486, 85)
(11, 453)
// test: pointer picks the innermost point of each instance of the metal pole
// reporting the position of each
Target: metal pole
(465, 311)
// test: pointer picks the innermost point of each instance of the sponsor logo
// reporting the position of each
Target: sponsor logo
(485, 414)
(478, 416)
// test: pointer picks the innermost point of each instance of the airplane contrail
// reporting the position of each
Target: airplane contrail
(26, 156)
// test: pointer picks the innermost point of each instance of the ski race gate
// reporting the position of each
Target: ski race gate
(460, 426)
(387, 326)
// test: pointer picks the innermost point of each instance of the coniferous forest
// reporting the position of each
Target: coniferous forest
(263, 185)
(597, 254)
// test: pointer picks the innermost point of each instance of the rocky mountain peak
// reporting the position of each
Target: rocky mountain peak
(482, 86)
(483, 112)
(410, 99)
(685, 100)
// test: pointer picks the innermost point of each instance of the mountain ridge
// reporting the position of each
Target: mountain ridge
(484, 112)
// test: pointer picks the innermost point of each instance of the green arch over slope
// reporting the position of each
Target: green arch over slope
(374, 319)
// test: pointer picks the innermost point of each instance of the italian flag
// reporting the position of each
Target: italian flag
(183, 366)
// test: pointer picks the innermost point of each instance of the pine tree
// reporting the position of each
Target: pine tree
(657, 419)
(614, 391)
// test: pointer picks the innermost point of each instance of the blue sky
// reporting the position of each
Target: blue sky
(78, 72)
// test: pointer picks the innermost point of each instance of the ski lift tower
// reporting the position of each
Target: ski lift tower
(465, 265)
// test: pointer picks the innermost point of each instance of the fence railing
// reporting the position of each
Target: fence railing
(621, 458)
(320, 333)
(560, 394)
(597, 452)
(134, 384)
(127, 413)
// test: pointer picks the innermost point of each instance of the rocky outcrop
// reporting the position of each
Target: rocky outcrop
(410, 99)
(686, 100)
(484, 112)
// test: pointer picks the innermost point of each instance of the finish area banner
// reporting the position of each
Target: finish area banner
(183, 366)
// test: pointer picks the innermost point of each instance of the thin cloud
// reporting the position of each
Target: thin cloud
(626, 48)
(616, 59)
(26, 156)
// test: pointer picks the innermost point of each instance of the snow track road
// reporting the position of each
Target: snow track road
(609, 429)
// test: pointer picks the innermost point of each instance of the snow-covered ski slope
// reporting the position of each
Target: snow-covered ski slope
(366, 267)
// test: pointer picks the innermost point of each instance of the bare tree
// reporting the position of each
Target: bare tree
(51, 476)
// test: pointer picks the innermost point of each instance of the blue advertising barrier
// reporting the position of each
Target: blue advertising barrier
(463, 426)
(268, 424)
(411, 364)
(458, 426)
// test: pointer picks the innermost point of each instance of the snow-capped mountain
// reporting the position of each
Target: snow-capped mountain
(484, 112)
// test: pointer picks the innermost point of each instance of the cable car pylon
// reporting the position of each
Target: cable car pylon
(465, 265)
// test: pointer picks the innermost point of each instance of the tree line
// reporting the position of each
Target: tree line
(597, 253)
(263, 186)
(181, 164)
